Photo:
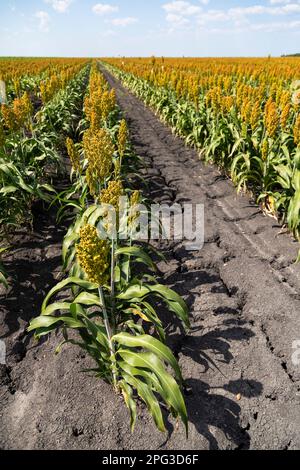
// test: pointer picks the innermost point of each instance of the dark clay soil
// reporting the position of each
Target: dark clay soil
(243, 292)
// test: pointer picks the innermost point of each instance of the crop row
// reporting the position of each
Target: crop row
(108, 302)
(241, 114)
(20, 75)
(30, 154)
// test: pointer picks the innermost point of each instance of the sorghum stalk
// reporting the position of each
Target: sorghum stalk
(109, 336)
(112, 281)
(129, 257)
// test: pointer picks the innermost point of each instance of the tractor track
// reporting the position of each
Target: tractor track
(251, 261)
(242, 389)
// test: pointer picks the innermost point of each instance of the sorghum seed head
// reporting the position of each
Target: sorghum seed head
(122, 138)
(93, 255)
(73, 155)
(99, 149)
(112, 194)
(297, 131)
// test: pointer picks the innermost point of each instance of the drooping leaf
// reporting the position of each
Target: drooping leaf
(152, 344)
(151, 362)
(68, 282)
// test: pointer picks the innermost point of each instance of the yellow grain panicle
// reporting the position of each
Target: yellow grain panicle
(99, 149)
(73, 155)
(93, 255)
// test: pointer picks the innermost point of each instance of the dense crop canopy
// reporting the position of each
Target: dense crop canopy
(243, 114)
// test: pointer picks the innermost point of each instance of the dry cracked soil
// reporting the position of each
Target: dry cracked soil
(242, 289)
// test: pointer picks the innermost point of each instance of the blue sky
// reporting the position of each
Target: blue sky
(144, 27)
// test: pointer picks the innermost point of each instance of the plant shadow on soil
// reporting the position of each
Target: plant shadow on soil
(33, 266)
(206, 408)
(210, 350)
(34, 260)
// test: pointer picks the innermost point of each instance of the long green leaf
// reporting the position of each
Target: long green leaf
(153, 345)
(171, 389)
(130, 403)
(136, 252)
(45, 322)
(68, 282)
(149, 398)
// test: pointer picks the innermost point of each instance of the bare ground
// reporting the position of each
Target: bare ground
(243, 391)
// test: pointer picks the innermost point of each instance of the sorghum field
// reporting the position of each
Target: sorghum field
(112, 342)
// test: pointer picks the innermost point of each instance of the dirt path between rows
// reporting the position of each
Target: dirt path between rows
(243, 391)
(244, 293)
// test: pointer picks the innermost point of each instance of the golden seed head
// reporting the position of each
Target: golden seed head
(8, 117)
(112, 194)
(19, 114)
(135, 200)
(255, 116)
(227, 103)
(73, 155)
(285, 116)
(95, 121)
(88, 106)
(272, 118)
(246, 110)
(17, 86)
(93, 255)
(104, 105)
(122, 138)
(99, 149)
(265, 150)
(27, 105)
(285, 99)
(100, 102)
(297, 131)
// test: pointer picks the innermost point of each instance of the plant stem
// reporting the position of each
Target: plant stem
(129, 270)
(109, 337)
(112, 282)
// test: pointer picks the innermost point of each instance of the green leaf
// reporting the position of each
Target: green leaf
(58, 306)
(3, 280)
(8, 190)
(130, 403)
(45, 322)
(145, 392)
(174, 301)
(135, 291)
(69, 241)
(136, 252)
(153, 345)
(85, 298)
(68, 282)
(172, 393)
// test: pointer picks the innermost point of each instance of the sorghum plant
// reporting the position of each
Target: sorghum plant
(112, 297)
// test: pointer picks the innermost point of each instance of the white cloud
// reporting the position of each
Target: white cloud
(274, 2)
(271, 27)
(181, 8)
(274, 27)
(124, 21)
(104, 9)
(61, 6)
(180, 13)
(108, 33)
(177, 20)
(44, 20)
(285, 9)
